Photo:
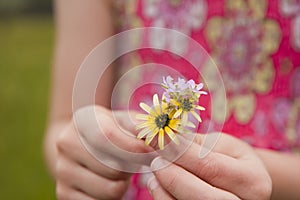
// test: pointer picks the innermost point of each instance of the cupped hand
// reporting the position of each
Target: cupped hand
(231, 170)
(80, 175)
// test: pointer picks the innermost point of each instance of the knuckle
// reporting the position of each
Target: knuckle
(82, 116)
(263, 190)
(117, 174)
(63, 140)
(117, 189)
(60, 169)
(61, 143)
(64, 172)
(109, 136)
(94, 124)
(172, 183)
(90, 116)
(61, 192)
(209, 169)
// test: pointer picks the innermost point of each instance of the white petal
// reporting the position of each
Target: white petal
(145, 107)
(150, 137)
(172, 135)
(144, 132)
(196, 116)
(190, 124)
(156, 104)
(184, 118)
(142, 125)
(155, 100)
(177, 113)
(199, 107)
(142, 117)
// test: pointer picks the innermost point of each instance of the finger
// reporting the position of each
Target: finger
(100, 133)
(157, 192)
(64, 192)
(182, 184)
(91, 184)
(219, 170)
(224, 143)
(70, 146)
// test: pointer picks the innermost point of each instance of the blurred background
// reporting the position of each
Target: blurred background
(26, 44)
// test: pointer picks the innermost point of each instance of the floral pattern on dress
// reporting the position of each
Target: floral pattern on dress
(291, 8)
(286, 111)
(242, 43)
(127, 19)
(256, 95)
(130, 77)
(126, 14)
(184, 16)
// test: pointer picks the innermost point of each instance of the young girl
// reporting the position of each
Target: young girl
(256, 46)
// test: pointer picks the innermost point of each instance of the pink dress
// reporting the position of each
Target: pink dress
(256, 47)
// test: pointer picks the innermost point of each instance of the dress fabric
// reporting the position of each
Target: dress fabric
(255, 45)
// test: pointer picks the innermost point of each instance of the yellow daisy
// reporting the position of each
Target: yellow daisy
(183, 96)
(184, 106)
(159, 120)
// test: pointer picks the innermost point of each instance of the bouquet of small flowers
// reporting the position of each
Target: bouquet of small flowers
(170, 114)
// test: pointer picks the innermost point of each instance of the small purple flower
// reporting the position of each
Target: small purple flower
(166, 94)
(168, 83)
(181, 89)
(196, 88)
(181, 85)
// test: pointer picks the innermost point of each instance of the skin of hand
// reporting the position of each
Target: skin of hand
(232, 170)
(81, 176)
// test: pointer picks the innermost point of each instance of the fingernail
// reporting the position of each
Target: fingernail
(158, 163)
(152, 184)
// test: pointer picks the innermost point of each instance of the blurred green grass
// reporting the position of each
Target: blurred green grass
(26, 45)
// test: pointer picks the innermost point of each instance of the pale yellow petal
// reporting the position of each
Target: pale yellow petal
(196, 116)
(155, 100)
(164, 105)
(190, 124)
(174, 102)
(178, 113)
(171, 113)
(156, 104)
(153, 127)
(161, 139)
(199, 107)
(145, 107)
(143, 125)
(185, 118)
(142, 117)
(144, 132)
(172, 135)
(151, 136)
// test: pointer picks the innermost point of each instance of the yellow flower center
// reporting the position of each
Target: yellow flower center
(162, 120)
(186, 104)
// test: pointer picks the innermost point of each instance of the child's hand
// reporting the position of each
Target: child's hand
(231, 171)
(81, 176)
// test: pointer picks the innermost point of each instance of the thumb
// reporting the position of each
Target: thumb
(126, 120)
